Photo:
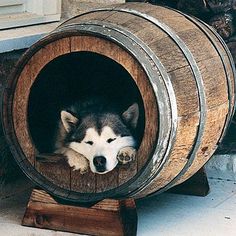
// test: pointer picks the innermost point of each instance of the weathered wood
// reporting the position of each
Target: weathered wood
(108, 217)
(49, 157)
(185, 139)
(127, 172)
(22, 91)
(214, 127)
(85, 183)
(109, 182)
(58, 173)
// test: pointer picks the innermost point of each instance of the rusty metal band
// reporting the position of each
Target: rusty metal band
(231, 91)
(160, 83)
(200, 86)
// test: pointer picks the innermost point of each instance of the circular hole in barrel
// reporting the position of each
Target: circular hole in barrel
(53, 74)
(76, 77)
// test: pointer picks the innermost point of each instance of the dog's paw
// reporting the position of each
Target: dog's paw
(126, 154)
(82, 168)
(77, 162)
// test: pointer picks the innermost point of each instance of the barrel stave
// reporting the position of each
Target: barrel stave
(54, 173)
(215, 83)
(214, 127)
(185, 90)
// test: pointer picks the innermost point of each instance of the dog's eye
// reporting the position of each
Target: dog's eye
(111, 140)
(89, 142)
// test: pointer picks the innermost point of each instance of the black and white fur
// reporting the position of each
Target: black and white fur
(91, 134)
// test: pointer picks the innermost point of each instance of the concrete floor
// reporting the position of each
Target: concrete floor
(166, 214)
(174, 215)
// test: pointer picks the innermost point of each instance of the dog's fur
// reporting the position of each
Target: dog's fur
(94, 134)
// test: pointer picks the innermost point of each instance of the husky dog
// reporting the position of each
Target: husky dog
(93, 134)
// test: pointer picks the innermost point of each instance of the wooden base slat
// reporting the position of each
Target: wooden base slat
(108, 217)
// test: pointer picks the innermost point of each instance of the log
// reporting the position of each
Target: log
(219, 6)
(224, 25)
(210, 6)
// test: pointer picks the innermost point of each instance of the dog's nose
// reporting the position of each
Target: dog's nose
(100, 163)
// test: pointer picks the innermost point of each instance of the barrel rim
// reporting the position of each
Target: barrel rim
(20, 66)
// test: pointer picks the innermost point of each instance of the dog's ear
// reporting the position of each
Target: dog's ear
(69, 121)
(131, 115)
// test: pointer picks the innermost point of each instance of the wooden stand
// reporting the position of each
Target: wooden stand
(108, 217)
(197, 185)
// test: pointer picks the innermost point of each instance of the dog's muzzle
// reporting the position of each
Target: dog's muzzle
(100, 163)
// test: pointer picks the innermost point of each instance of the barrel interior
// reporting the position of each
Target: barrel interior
(64, 80)
(53, 74)
(70, 78)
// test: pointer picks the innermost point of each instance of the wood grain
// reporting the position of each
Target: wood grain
(58, 173)
(22, 91)
(108, 217)
(85, 183)
(214, 126)
(185, 138)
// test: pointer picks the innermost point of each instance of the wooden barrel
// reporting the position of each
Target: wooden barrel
(185, 77)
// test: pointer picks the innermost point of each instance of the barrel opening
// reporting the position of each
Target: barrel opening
(69, 78)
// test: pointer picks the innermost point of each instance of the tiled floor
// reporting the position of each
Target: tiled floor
(164, 215)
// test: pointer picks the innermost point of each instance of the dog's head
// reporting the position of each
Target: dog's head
(100, 136)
